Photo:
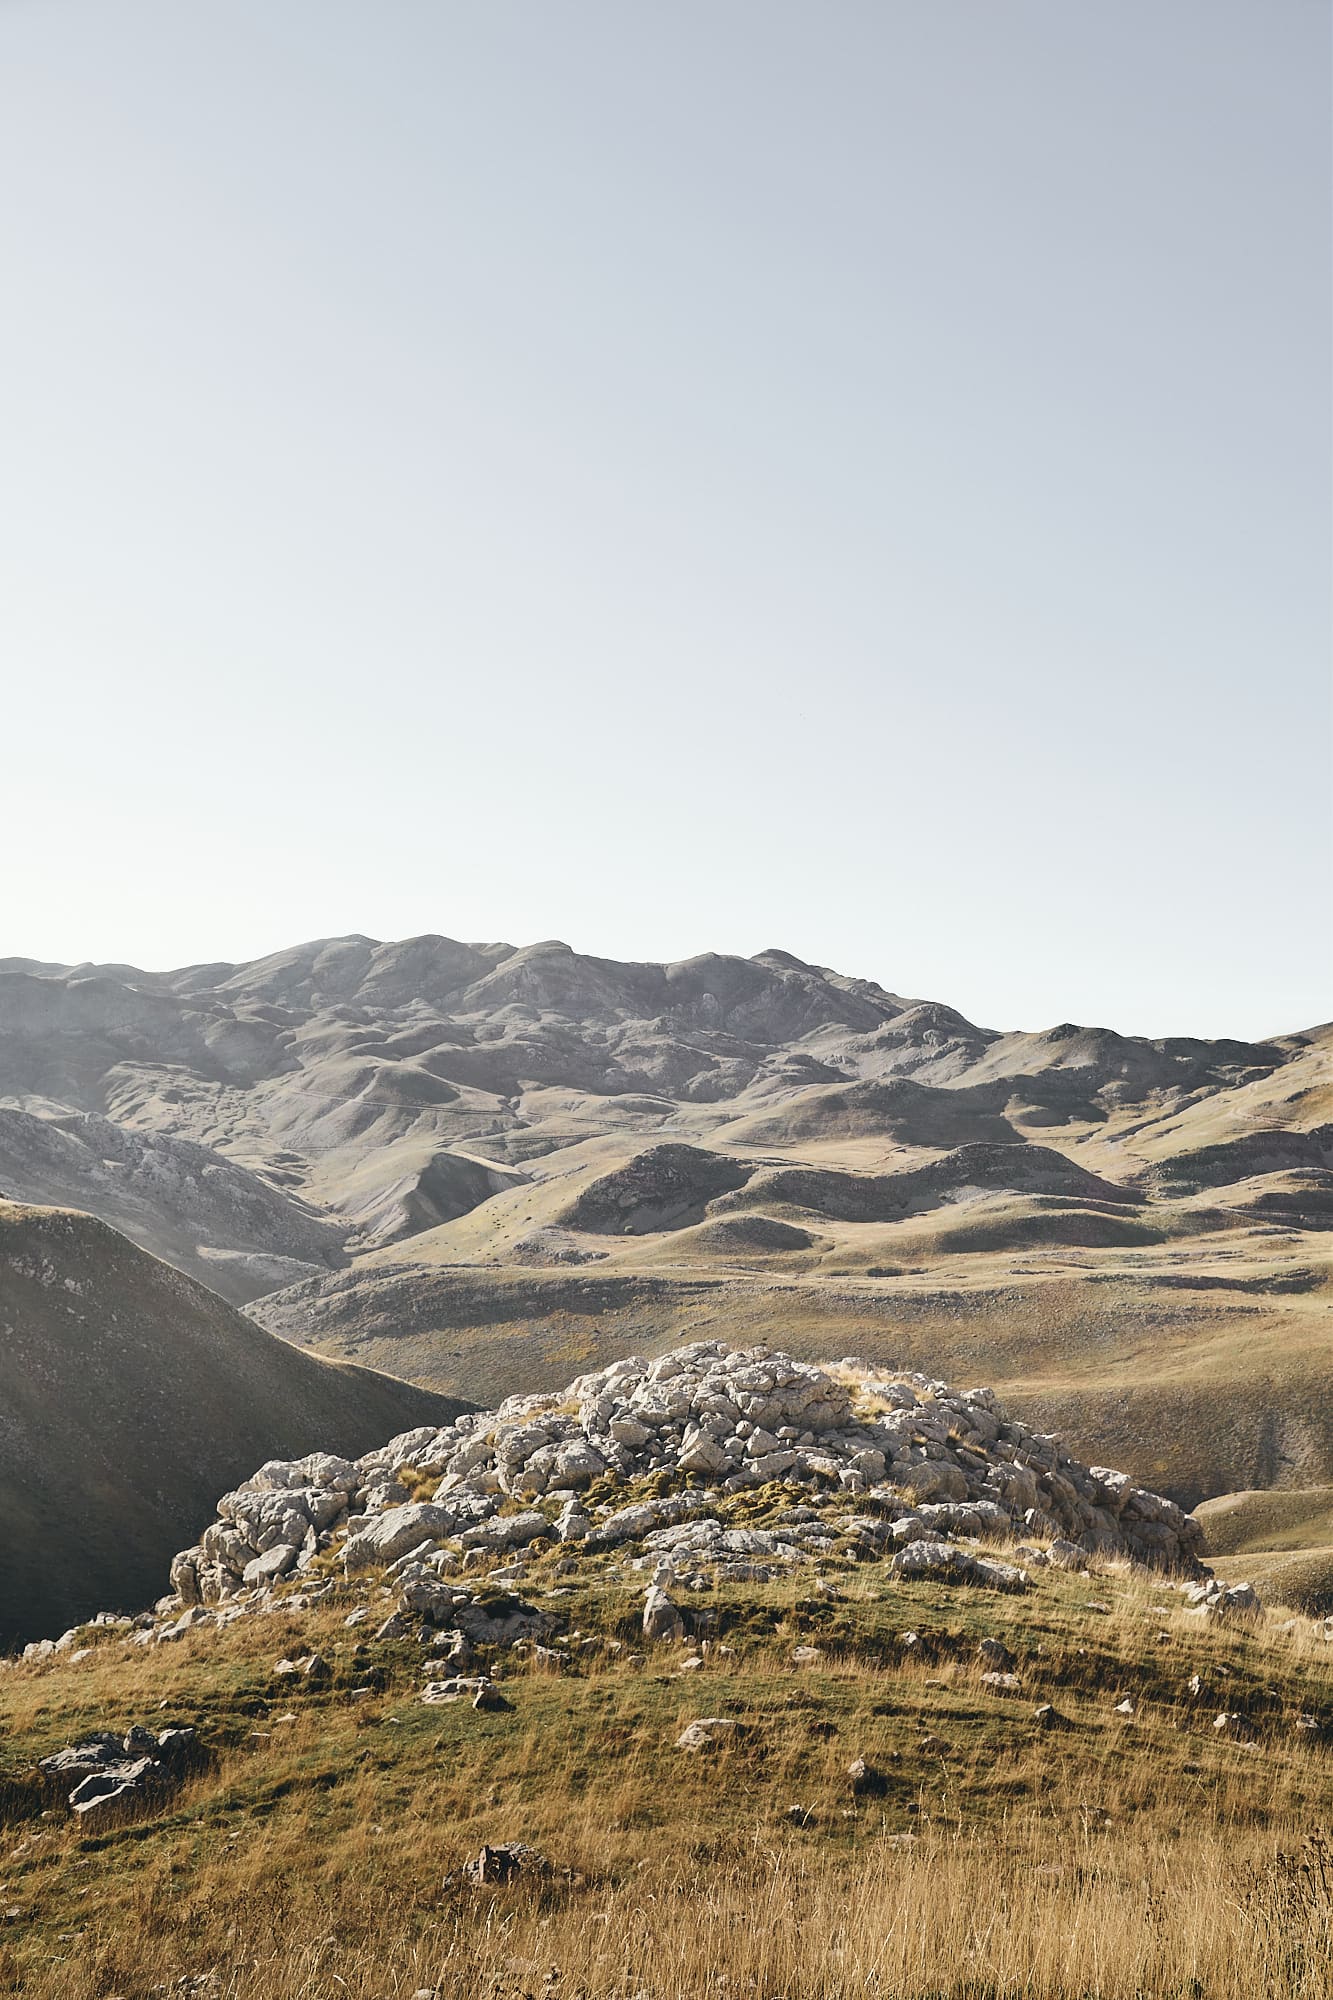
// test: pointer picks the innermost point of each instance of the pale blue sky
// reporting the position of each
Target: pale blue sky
(854, 477)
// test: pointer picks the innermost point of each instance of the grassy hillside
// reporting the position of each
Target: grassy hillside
(130, 1397)
(1239, 1523)
(320, 1850)
(1284, 1540)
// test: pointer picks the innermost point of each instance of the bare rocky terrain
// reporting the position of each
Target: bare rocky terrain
(932, 1475)
(479, 1166)
(208, 1215)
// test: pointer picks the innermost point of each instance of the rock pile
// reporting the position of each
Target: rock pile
(106, 1777)
(497, 1865)
(1220, 1603)
(932, 1473)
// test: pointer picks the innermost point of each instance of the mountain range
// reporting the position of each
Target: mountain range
(477, 1165)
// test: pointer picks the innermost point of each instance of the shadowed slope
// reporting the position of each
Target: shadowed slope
(130, 1397)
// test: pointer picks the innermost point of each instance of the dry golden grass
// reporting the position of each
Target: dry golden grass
(953, 1917)
(320, 1855)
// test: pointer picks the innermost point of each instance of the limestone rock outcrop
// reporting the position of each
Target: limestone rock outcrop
(897, 1466)
(107, 1777)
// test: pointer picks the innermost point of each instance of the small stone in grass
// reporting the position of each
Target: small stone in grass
(708, 1733)
(867, 1782)
(1047, 1716)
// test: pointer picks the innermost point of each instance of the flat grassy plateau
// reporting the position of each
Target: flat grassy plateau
(320, 1850)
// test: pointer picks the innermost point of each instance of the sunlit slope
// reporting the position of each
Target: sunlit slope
(320, 1844)
(1237, 1523)
(1283, 1539)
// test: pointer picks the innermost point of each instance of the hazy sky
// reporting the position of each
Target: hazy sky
(708, 475)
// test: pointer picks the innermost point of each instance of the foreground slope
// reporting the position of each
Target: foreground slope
(750, 1719)
(131, 1396)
